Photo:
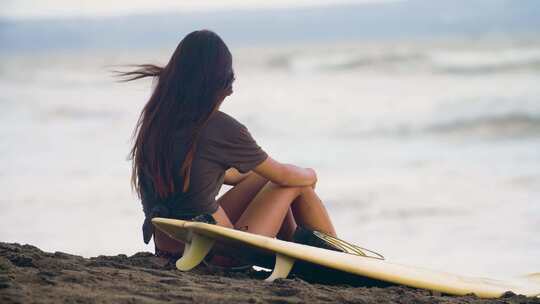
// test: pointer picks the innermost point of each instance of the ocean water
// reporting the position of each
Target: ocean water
(427, 151)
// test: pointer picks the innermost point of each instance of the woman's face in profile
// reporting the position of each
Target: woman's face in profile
(229, 90)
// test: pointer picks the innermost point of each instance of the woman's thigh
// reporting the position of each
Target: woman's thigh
(236, 200)
(266, 213)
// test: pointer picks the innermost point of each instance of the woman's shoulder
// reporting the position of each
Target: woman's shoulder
(223, 121)
(222, 116)
(223, 127)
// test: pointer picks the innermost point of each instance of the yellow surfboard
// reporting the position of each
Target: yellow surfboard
(201, 237)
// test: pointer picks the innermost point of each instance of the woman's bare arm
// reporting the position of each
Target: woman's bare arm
(286, 174)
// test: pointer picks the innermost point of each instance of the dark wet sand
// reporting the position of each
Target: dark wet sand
(29, 275)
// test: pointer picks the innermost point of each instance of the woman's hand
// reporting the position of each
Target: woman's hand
(312, 171)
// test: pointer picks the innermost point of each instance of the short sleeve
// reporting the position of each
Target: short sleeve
(242, 151)
(232, 145)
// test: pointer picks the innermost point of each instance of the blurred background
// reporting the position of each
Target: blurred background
(421, 117)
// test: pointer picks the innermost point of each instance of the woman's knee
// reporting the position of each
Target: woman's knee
(296, 189)
(306, 189)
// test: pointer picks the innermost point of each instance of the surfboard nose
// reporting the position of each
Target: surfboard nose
(533, 277)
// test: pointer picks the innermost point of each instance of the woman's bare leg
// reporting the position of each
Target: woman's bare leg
(288, 227)
(309, 212)
(236, 200)
(269, 213)
(232, 204)
(268, 210)
(300, 205)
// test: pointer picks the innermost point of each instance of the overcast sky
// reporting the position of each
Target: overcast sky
(17, 9)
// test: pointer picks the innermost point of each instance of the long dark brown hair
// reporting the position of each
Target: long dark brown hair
(189, 89)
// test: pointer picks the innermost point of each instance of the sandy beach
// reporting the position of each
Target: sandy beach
(30, 275)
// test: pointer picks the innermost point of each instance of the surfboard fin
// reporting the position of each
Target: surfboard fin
(194, 252)
(282, 268)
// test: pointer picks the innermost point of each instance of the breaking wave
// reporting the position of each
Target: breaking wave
(462, 61)
(511, 125)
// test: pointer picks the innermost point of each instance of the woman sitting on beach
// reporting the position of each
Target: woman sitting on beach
(185, 148)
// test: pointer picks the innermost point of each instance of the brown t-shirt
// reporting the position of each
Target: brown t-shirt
(223, 143)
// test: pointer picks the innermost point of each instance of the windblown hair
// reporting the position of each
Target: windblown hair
(189, 89)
